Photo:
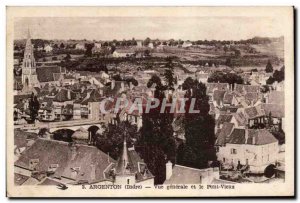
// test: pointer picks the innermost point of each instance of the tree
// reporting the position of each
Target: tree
(88, 51)
(169, 74)
(230, 78)
(199, 128)
(34, 107)
(68, 57)
(157, 135)
(62, 46)
(237, 52)
(55, 46)
(225, 49)
(269, 67)
(111, 140)
(228, 62)
(147, 41)
(133, 81)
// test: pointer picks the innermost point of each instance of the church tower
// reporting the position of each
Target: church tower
(29, 76)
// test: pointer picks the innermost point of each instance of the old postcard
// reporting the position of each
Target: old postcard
(150, 102)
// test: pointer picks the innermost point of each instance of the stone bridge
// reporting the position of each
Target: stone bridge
(54, 126)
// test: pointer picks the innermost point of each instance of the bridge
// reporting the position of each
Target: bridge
(54, 126)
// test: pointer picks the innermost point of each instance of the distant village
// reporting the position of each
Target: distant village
(62, 138)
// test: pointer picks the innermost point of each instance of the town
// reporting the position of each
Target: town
(62, 135)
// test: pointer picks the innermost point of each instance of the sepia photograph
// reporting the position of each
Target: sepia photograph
(150, 101)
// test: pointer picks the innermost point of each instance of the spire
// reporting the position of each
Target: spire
(123, 163)
(28, 34)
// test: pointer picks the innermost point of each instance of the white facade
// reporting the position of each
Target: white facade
(258, 157)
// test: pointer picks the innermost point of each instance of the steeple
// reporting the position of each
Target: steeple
(123, 166)
(28, 34)
(29, 76)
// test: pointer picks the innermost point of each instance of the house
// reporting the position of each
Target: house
(151, 45)
(80, 46)
(50, 75)
(251, 149)
(179, 174)
(211, 87)
(22, 140)
(139, 43)
(202, 77)
(254, 115)
(97, 48)
(131, 169)
(186, 44)
(122, 53)
(68, 79)
(48, 48)
(64, 163)
(46, 111)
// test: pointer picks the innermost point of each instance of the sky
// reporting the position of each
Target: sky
(185, 28)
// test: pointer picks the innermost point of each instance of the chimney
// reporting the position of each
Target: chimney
(113, 84)
(169, 170)
(246, 135)
(130, 85)
(69, 94)
(122, 86)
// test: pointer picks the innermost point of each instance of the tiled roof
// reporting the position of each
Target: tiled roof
(218, 86)
(255, 137)
(68, 157)
(91, 96)
(21, 98)
(228, 98)
(218, 96)
(251, 97)
(276, 97)
(46, 73)
(251, 88)
(64, 95)
(19, 179)
(240, 118)
(187, 175)
(224, 134)
(21, 137)
(254, 112)
(224, 118)
(276, 110)
(131, 163)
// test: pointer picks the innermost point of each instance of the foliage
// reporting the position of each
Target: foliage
(222, 77)
(199, 128)
(34, 107)
(111, 140)
(169, 74)
(157, 135)
(63, 135)
(278, 76)
(88, 51)
(269, 67)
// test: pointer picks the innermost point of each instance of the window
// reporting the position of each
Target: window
(233, 151)
(128, 180)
